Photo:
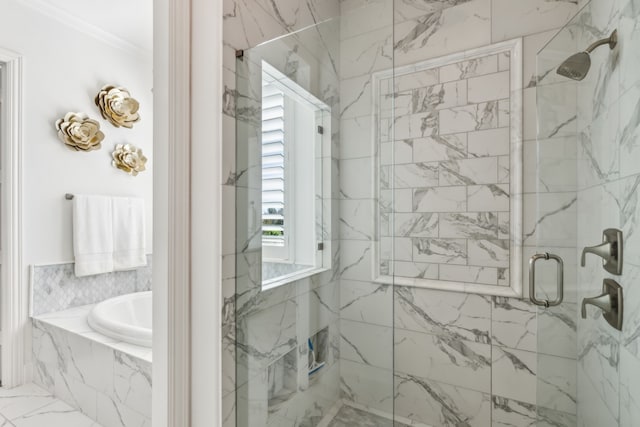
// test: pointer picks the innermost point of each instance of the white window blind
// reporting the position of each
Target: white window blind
(273, 171)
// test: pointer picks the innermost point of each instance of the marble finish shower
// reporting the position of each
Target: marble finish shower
(391, 166)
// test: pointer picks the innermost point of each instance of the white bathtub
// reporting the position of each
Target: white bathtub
(125, 318)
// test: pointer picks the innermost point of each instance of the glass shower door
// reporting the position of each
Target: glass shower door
(311, 345)
(551, 166)
(584, 177)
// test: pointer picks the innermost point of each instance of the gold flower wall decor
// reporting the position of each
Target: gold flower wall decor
(117, 106)
(79, 132)
(129, 158)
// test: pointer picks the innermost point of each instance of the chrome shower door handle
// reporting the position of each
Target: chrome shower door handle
(559, 280)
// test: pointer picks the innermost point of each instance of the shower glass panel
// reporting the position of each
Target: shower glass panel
(553, 182)
(585, 182)
(314, 342)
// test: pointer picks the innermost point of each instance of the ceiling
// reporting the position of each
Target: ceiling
(131, 21)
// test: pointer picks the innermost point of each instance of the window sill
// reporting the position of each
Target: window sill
(288, 278)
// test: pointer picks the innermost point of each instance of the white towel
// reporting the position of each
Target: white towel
(92, 235)
(128, 233)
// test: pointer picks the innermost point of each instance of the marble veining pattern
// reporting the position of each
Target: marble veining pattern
(472, 320)
(56, 288)
(451, 148)
(31, 406)
(348, 416)
(107, 380)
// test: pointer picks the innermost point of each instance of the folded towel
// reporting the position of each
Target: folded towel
(92, 235)
(128, 233)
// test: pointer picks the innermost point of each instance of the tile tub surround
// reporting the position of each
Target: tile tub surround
(455, 154)
(31, 406)
(56, 288)
(107, 380)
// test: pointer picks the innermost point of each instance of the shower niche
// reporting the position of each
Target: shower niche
(282, 380)
(297, 370)
(449, 172)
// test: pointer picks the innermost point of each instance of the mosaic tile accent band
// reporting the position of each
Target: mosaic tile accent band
(446, 142)
(56, 288)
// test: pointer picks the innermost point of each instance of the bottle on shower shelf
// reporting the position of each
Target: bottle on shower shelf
(314, 365)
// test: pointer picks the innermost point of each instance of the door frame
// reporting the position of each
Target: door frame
(187, 212)
(15, 289)
(172, 228)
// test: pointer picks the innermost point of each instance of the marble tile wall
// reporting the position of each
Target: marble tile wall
(109, 386)
(56, 288)
(472, 358)
(460, 358)
(450, 156)
(607, 158)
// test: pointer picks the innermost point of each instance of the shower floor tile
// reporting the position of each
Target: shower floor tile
(349, 416)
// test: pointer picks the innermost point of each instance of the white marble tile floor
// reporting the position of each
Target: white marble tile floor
(32, 406)
(349, 416)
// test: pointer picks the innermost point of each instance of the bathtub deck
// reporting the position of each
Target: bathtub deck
(105, 379)
(74, 320)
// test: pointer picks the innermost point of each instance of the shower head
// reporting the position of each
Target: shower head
(577, 66)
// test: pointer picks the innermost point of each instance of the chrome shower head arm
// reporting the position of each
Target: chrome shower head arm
(612, 41)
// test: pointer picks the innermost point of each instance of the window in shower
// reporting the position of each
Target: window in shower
(292, 130)
(275, 232)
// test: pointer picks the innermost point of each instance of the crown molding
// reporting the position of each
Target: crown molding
(72, 21)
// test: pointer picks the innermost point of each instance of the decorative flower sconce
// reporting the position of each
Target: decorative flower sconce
(79, 132)
(128, 158)
(117, 106)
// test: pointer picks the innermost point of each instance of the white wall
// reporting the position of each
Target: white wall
(64, 69)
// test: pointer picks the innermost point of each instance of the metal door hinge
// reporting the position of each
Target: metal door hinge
(320, 246)
(321, 130)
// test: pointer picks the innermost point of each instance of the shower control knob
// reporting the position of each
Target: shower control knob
(610, 250)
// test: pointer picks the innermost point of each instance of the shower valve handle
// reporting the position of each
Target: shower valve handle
(604, 250)
(610, 303)
(610, 250)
